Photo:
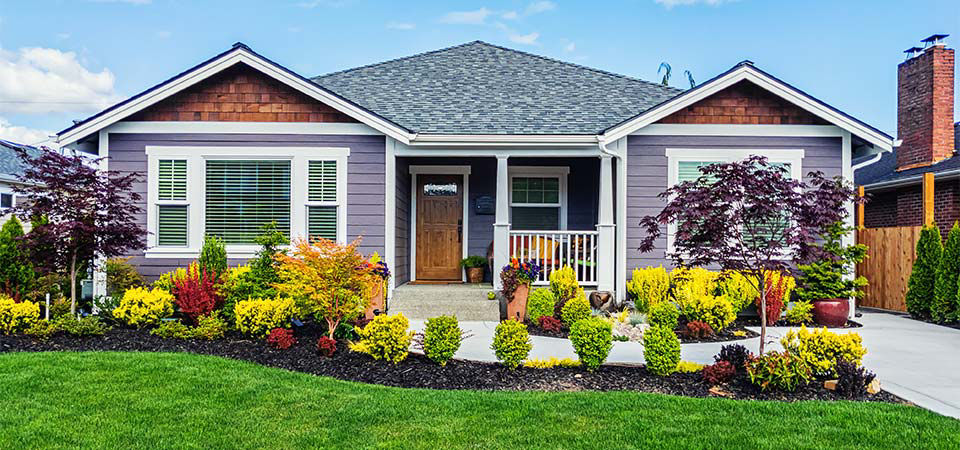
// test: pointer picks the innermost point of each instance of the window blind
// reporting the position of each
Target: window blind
(322, 222)
(322, 181)
(172, 179)
(243, 195)
(172, 225)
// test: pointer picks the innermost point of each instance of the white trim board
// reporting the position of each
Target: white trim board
(670, 129)
(464, 171)
(242, 128)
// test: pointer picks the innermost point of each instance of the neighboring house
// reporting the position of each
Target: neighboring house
(928, 144)
(11, 167)
(472, 149)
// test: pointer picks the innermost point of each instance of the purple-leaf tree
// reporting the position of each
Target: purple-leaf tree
(79, 212)
(748, 216)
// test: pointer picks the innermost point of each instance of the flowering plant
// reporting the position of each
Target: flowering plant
(377, 267)
(516, 273)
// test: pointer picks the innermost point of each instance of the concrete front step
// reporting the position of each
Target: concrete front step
(465, 301)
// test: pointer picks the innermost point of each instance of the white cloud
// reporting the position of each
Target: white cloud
(510, 15)
(24, 135)
(476, 17)
(671, 3)
(526, 39)
(570, 47)
(400, 25)
(163, 34)
(46, 80)
(539, 7)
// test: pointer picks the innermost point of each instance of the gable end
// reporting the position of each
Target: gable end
(744, 103)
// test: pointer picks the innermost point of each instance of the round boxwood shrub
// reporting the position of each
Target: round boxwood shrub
(661, 350)
(540, 304)
(592, 339)
(664, 314)
(386, 337)
(576, 309)
(441, 339)
(511, 343)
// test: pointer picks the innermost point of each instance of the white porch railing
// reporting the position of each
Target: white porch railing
(555, 249)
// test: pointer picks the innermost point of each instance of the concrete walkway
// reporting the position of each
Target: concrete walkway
(912, 359)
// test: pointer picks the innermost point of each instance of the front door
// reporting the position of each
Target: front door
(439, 227)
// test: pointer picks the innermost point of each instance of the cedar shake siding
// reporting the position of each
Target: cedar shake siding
(647, 177)
(241, 94)
(365, 182)
(744, 103)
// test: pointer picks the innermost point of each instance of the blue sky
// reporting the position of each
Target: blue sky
(63, 60)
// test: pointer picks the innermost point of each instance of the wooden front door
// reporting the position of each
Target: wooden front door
(439, 227)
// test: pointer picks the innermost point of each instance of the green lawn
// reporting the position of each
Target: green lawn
(180, 400)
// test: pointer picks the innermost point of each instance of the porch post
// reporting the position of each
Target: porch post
(501, 225)
(606, 256)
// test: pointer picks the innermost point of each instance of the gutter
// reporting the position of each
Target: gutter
(916, 179)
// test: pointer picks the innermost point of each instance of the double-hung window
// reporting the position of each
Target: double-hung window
(232, 192)
(538, 198)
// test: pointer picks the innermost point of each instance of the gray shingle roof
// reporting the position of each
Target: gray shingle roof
(885, 170)
(479, 88)
(10, 163)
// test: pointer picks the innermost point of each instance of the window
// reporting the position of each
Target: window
(244, 195)
(322, 200)
(538, 198)
(6, 200)
(172, 203)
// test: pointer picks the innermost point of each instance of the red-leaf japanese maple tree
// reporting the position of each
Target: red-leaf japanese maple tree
(748, 216)
(80, 212)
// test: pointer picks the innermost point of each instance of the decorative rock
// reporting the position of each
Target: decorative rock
(601, 300)
(719, 392)
(874, 387)
(830, 384)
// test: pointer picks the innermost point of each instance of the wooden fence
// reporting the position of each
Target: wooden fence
(889, 261)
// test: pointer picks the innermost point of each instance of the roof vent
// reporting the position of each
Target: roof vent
(936, 39)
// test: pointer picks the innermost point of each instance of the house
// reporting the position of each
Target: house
(928, 139)
(474, 149)
(11, 167)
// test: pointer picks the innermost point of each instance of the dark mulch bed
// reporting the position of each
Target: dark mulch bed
(723, 336)
(417, 371)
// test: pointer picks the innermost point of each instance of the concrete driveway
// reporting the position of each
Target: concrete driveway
(914, 360)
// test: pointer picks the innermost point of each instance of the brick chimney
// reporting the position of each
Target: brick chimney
(925, 105)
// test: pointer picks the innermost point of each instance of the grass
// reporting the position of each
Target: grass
(123, 400)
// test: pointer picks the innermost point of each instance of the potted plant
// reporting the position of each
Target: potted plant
(474, 266)
(822, 281)
(516, 278)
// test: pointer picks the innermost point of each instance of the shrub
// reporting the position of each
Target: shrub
(473, 261)
(441, 339)
(689, 367)
(802, 312)
(592, 340)
(826, 277)
(511, 343)
(923, 277)
(60, 307)
(664, 314)
(171, 329)
(577, 308)
(563, 283)
(775, 288)
(17, 277)
(540, 303)
(852, 380)
(82, 327)
(197, 294)
(551, 324)
(326, 346)
(715, 311)
(210, 327)
(648, 287)
(821, 349)
(213, 257)
(42, 329)
(551, 363)
(386, 337)
(718, 373)
(281, 338)
(735, 354)
(739, 289)
(944, 305)
(777, 370)
(697, 330)
(121, 276)
(141, 307)
(329, 280)
(258, 316)
(661, 350)
(17, 317)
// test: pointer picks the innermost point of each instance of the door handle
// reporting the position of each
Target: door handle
(460, 230)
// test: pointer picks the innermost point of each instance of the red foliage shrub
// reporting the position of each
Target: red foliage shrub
(197, 294)
(718, 373)
(326, 346)
(775, 293)
(281, 338)
(551, 324)
(697, 330)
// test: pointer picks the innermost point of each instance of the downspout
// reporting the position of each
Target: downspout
(876, 157)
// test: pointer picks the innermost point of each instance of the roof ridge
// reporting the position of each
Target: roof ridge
(403, 58)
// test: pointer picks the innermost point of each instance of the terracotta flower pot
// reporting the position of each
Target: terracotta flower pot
(517, 306)
(831, 312)
(475, 274)
(376, 301)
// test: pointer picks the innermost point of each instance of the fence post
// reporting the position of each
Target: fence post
(928, 199)
(860, 208)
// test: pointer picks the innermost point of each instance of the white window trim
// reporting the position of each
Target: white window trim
(794, 156)
(559, 172)
(463, 171)
(196, 191)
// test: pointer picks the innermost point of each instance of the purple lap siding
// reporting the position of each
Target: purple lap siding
(365, 183)
(647, 177)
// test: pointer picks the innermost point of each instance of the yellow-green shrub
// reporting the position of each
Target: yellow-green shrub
(166, 280)
(664, 314)
(716, 311)
(698, 280)
(802, 312)
(592, 340)
(258, 316)
(140, 307)
(739, 289)
(563, 283)
(689, 367)
(648, 287)
(441, 338)
(821, 349)
(551, 363)
(511, 343)
(385, 337)
(577, 308)
(661, 350)
(16, 317)
(789, 282)
(540, 303)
